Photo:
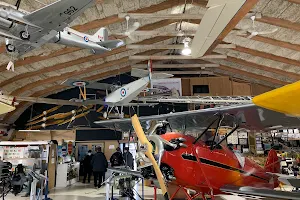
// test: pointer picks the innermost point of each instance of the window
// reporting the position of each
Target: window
(201, 89)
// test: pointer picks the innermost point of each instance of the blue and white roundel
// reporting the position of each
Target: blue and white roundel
(123, 92)
(86, 39)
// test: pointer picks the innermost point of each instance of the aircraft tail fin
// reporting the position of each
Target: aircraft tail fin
(101, 35)
(273, 162)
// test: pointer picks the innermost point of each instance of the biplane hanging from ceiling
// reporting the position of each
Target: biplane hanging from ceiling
(203, 163)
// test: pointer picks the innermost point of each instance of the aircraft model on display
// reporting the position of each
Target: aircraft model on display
(202, 163)
(26, 31)
(120, 96)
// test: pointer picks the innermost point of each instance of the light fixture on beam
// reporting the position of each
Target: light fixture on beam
(187, 50)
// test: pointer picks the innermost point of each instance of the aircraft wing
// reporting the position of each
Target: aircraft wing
(59, 14)
(216, 18)
(198, 99)
(259, 192)
(249, 116)
(48, 101)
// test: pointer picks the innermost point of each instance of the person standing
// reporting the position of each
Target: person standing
(87, 167)
(117, 158)
(128, 158)
(99, 166)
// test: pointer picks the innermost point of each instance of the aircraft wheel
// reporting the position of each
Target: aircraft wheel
(10, 48)
(24, 35)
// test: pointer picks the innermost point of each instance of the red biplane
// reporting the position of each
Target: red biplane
(205, 165)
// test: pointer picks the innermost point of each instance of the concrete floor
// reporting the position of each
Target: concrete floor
(80, 191)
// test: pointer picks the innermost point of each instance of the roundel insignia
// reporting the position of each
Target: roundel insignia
(79, 83)
(86, 38)
(123, 92)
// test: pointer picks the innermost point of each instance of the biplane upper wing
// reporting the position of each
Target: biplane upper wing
(248, 116)
(253, 192)
(197, 99)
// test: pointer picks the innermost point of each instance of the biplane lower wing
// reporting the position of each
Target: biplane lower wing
(252, 192)
(248, 116)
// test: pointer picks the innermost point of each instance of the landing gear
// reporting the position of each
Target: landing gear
(10, 48)
(24, 35)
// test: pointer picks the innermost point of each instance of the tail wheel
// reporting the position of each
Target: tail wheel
(24, 35)
(10, 48)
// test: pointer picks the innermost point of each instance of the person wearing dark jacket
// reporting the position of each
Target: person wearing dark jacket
(99, 165)
(117, 158)
(87, 167)
(128, 158)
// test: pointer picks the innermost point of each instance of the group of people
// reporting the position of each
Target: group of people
(97, 164)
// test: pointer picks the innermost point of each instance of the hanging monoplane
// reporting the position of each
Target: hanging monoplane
(26, 31)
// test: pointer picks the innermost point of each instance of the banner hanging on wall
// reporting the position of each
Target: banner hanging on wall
(171, 85)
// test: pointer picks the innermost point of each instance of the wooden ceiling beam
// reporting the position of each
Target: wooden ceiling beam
(176, 66)
(248, 5)
(274, 42)
(267, 56)
(283, 23)
(160, 16)
(74, 74)
(264, 68)
(95, 24)
(176, 57)
(294, 1)
(175, 46)
(253, 75)
(163, 33)
(198, 72)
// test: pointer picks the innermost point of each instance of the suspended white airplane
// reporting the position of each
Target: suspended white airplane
(120, 95)
(26, 31)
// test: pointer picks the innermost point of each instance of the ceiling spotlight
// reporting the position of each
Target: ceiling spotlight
(187, 50)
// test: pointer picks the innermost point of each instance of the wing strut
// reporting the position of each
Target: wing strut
(221, 117)
(226, 136)
(208, 127)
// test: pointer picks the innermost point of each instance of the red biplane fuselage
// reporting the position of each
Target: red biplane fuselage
(204, 170)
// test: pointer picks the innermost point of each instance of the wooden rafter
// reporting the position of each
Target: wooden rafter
(278, 43)
(73, 74)
(280, 22)
(294, 1)
(175, 46)
(253, 75)
(176, 66)
(267, 56)
(176, 57)
(264, 68)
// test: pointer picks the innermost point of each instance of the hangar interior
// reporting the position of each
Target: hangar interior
(149, 99)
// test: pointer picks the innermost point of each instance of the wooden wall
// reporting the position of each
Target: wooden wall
(257, 89)
(46, 135)
(222, 86)
(241, 89)
(218, 86)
